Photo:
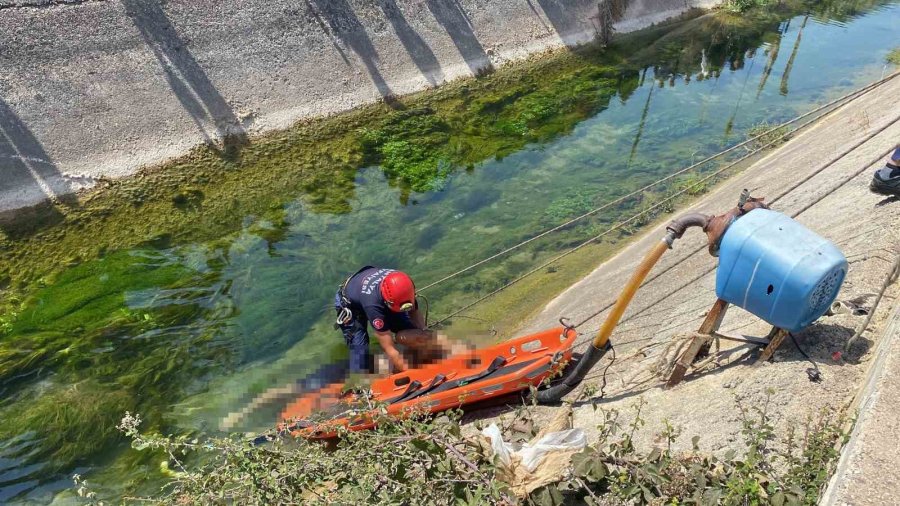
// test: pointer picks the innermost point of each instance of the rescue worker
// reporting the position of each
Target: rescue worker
(386, 300)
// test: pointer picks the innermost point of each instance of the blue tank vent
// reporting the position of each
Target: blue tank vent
(826, 291)
(779, 270)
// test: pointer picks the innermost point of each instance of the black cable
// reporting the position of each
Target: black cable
(603, 384)
(427, 307)
(813, 372)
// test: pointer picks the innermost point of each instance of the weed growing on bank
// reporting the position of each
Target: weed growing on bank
(789, 470)
(432, 461)
(738, 6)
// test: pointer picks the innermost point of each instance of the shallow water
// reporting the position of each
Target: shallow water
(185, 330)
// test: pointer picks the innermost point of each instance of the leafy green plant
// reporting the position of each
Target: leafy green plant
(431, 461)
(401, 462)
(738, 6)
(613, 471)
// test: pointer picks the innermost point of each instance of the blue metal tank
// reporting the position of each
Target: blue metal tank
(779, 270)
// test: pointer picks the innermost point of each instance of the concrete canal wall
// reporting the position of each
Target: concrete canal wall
(93, 89)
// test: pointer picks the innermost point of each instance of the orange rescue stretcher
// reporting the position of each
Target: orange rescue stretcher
(473, 376)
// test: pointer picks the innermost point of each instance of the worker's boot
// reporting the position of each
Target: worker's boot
(886, 180)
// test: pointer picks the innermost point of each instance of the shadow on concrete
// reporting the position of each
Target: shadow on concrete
(562, 17)
(27, 172)
(888, 200)
(187, 79)
(451, 15)
(820, 340)
(418, 49)
(537, 14)
(338, 20)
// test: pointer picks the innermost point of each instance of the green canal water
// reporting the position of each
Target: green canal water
(182, 294)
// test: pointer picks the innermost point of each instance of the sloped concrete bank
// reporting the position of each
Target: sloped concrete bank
(98, 89)
(867, 472)
(822, 174)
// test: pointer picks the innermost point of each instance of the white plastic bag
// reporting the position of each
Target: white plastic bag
(532, 454)
(501, 448)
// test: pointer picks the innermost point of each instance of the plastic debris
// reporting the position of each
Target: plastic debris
(542, 460)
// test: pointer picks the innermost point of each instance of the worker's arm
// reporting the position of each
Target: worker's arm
(386, 339)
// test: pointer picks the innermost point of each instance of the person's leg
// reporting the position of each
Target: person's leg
(886, 180)
(356, 336)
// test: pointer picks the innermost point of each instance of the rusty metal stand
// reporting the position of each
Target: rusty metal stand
(709, 330)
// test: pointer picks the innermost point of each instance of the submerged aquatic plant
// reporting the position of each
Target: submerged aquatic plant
(769, 135)
(569, 206)
(80, 355)
(893, 57)
(66, 423)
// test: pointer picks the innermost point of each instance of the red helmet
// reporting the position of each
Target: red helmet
(399, 292)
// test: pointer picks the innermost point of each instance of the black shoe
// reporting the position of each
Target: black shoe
(886, 181)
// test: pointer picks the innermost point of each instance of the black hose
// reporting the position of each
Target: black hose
(587, 361)
(674, 230)
(813, 372)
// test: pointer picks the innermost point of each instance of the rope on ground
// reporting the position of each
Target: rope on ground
(647, 375)
(666, 361)
(848, 96)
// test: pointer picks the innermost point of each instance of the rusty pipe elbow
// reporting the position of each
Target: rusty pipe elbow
(678, 226)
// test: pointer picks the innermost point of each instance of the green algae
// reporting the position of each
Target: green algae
(226, 235)
(893, 57)
(72, 422)
(88, 356)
